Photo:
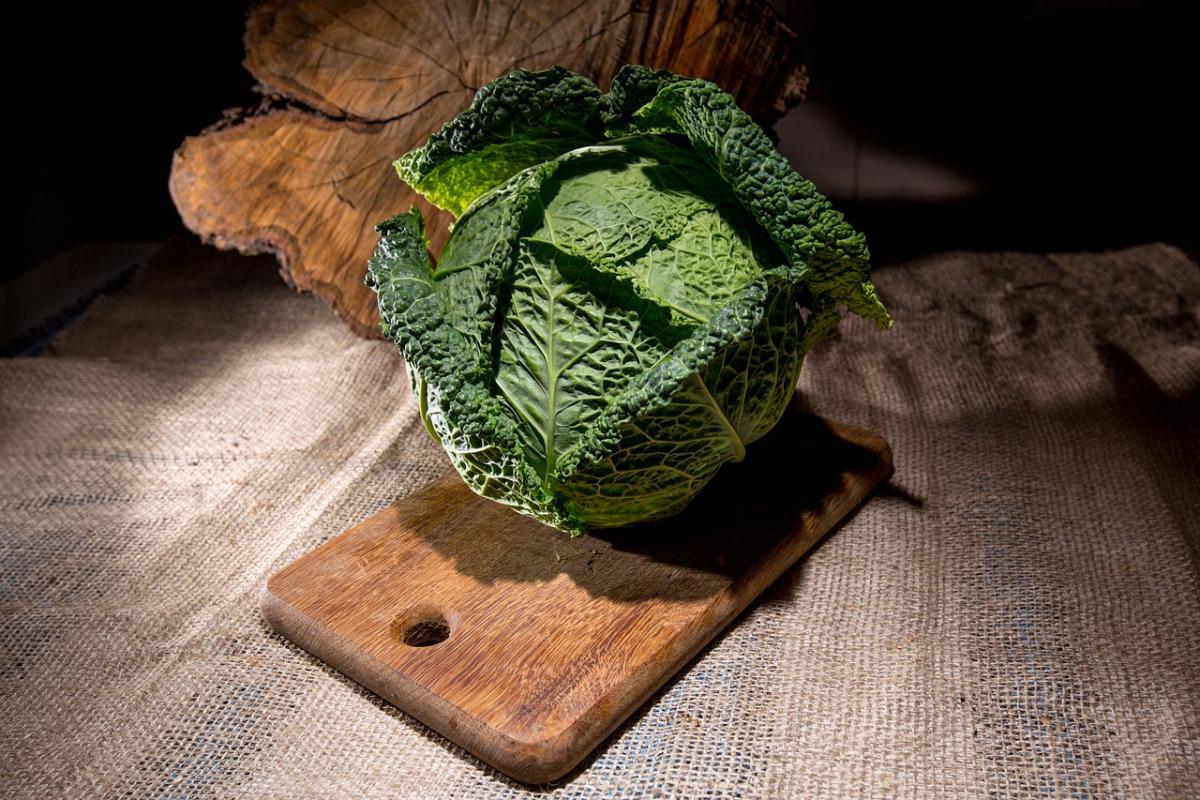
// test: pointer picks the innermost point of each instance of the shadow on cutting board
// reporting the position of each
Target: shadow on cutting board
(738, 517)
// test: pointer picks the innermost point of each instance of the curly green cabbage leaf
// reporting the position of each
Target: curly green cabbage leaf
(625, 299)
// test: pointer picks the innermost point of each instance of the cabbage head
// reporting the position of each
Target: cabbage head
(623, 304)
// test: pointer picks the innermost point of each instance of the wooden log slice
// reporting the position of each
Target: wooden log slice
(353, 84)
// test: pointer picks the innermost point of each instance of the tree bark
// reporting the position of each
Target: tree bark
(350, 85)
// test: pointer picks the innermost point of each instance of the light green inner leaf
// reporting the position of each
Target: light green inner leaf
(656, 215)
(456, 183)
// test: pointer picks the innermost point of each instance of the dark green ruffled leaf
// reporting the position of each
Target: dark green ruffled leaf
(831, 256)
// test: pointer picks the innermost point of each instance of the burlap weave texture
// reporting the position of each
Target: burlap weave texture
(1018, 614)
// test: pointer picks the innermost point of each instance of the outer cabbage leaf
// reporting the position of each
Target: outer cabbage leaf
(448, 375)
(816, 239)
(574, 337)
(665, 437)
(521, 119)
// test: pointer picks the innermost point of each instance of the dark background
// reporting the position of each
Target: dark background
(109, 91)
(1069, 120)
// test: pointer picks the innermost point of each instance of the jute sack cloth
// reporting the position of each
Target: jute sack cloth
(1017, 614)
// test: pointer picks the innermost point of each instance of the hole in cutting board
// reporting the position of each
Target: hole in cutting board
(424, 634)
(423, 626)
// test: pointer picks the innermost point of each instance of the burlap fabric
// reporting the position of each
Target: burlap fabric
(1018, 614)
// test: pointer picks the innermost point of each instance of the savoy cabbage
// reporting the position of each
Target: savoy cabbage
(626, 296)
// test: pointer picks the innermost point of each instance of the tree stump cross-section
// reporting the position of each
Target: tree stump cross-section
(350, 85)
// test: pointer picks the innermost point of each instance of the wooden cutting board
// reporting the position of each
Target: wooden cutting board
(528, 647)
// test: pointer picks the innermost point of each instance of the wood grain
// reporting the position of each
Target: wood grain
(350, 85)
(554, 641)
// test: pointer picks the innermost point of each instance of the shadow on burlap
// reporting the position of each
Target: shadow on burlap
(1015, 615)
